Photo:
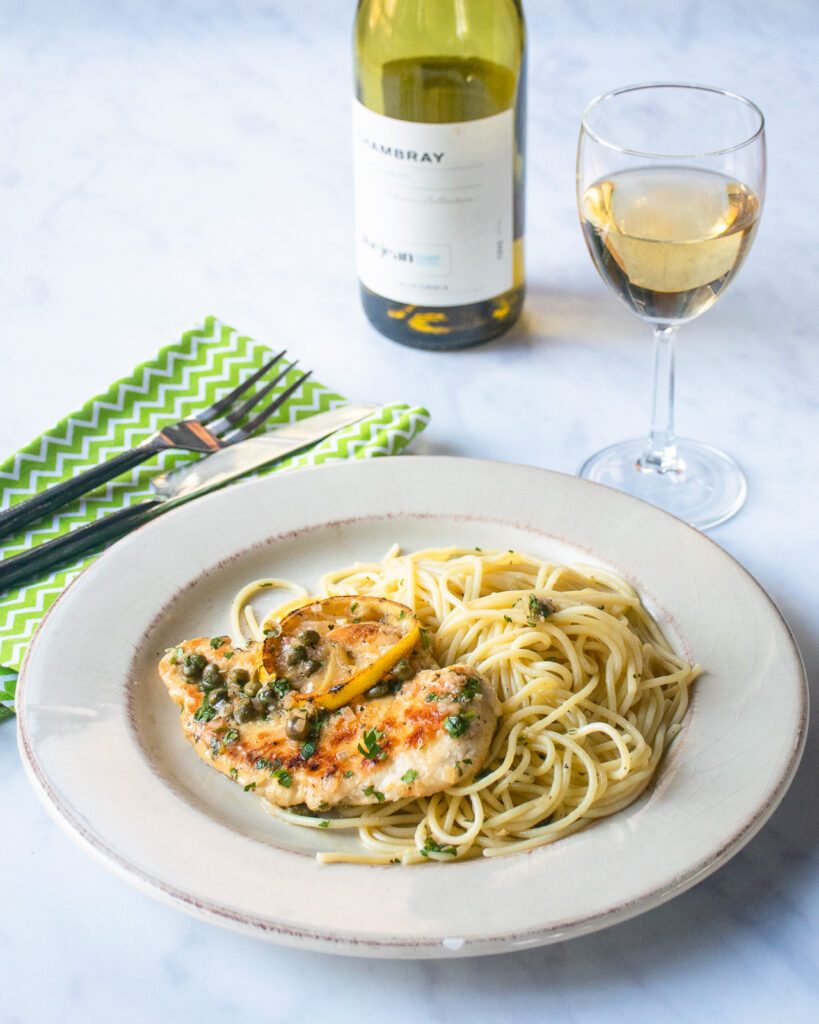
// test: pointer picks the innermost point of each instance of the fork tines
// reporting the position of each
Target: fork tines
(233, 416)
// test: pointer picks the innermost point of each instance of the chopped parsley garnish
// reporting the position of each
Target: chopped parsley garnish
(231, 736)
(234, 772)
(349, 774)
(457, 725)
(470, 690)
(402, 613)
(539, 609)
(370, 747)
(507, 618)
(215, 746)
(273, 631)
(216, 641)
(466, 760)
(284, 778)
(324, 824)
(228, 654)
(280, 687)
(353, 607)
(432, 846)
(372, 791)
(308, 749)
(437, 696)
(409, 776)
(424, 638)
(250, 787)
(204, 712)
(262, 762)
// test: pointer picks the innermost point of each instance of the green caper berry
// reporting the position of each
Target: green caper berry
(211, 677)
(266, 697)
(310, 637)
(381, 689)
(217, 695)
(192, 665)
(298, 725)
(402, 670)
(252, 687)
(297, 655)
(312, 667)
(243, 712)
(238, 676)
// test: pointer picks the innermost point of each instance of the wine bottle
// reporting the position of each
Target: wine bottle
(439, 118)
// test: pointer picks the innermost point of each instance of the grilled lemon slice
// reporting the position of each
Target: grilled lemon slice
(334, 650)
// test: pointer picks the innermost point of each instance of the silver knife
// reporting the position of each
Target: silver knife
(181, 485)
(229, 463)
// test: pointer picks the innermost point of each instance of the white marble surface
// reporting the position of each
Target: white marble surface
(165, 160)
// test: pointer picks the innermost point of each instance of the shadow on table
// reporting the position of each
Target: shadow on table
(553, 314)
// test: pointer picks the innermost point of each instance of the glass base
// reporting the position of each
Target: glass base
(703, 486)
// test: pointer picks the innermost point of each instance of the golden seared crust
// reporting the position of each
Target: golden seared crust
(413, 751)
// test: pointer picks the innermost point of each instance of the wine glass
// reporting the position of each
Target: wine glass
(670, 184)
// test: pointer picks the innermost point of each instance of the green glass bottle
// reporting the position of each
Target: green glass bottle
(439, 120)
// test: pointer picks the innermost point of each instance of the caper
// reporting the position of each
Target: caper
(217, 695)
(299, 724)
(252, 687)
(225, 709)
(238, 676)
(312, 667)
(402, 670)
(381, 689)
(243, 712)
(192, 665)
(297, 655)
(310, 637)
(266, 697)
(211, 677)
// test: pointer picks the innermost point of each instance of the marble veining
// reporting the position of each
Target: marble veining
(166, 160)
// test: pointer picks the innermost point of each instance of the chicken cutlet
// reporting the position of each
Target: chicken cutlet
(406, 737)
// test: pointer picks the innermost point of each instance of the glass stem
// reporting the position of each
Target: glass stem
(660, 455)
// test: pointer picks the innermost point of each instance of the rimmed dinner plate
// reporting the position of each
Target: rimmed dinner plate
(101, 741)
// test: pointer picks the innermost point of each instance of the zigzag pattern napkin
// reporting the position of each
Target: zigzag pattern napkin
(184, 377)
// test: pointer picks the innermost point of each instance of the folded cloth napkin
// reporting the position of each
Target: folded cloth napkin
(182, 379)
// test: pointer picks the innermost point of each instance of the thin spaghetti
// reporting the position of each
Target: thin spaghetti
(591, 694)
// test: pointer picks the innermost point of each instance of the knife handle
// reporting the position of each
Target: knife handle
(28, 565)
(60, 494)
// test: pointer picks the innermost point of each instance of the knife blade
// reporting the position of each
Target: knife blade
(182, 485)
(225, 465)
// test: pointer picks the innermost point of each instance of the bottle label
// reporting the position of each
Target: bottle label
(433, 207)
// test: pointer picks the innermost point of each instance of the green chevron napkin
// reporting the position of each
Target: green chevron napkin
(184, 377)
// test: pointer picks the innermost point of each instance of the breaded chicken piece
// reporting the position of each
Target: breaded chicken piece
(434, 731)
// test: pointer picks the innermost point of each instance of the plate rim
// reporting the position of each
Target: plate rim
(341, 941)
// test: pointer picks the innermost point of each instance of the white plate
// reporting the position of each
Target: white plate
(101, 742)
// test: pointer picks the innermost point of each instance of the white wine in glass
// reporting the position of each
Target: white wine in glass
(670, 186)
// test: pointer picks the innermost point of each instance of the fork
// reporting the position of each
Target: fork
(213, 428)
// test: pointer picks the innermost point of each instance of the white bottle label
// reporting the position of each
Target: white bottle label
(433, 207)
